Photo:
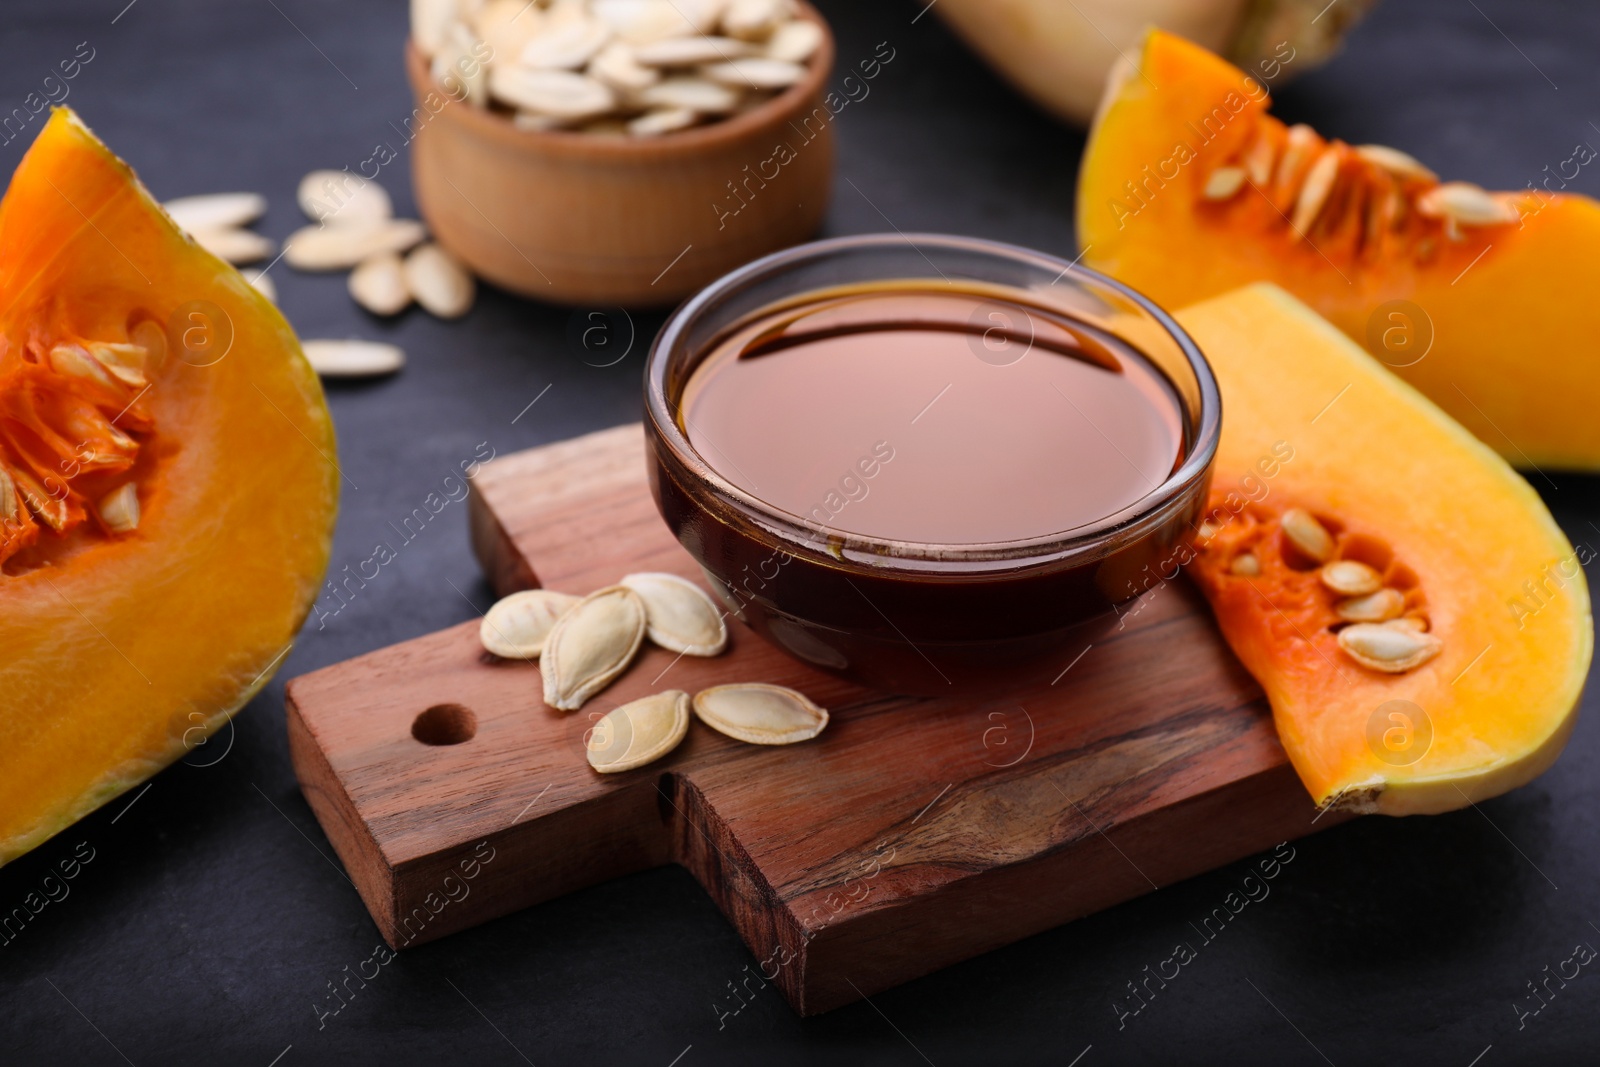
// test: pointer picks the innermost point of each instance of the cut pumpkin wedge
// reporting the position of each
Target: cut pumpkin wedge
(1189, 188)
(167, 487)
(1420, 624)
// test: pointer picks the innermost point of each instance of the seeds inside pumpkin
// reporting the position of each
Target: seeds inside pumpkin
(639, 732)
(119, 509)
(1380, 606)
(1349, 577)
(1223, 183)
(518, 625)
(590, 645)
(1390, 649)
(1307, 534)
(1245, 564)
(760, 714)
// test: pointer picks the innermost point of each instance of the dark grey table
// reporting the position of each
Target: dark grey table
(212, 918)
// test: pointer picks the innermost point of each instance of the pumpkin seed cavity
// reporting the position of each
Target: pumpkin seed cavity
(1389, 185)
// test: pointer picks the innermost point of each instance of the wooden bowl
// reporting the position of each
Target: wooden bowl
(594, 219)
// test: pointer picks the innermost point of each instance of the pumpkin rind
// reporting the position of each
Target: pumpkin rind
(1487, 319)
(1500, 585)
(123, 650)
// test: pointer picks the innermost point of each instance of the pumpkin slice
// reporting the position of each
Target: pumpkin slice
(1420, 624)
(167, 487)
(1189, 189)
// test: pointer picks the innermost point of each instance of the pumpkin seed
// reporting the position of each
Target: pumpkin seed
(1296, 146)
(1315, 189)
(760, 714)
(616, 66)
(752, 20)
(126, 362)
(640, 21)
(695, 94)
(1307, 534)
(507, 25)
(1464, 204)
(216, 211)
(1415, 623)
(662, 120)
(341, 246)
(590, 645)
(558, 93)
(795, 41)
(1350, 577)
(75, 361)
(679, 614)
(1390, 649)
(1245, 564)
(439, 282)
(755, 73)
(1395, 162)
(235, 246)
(353, 359)
(1258, 161)
(638, 732)
(119, 509)
(691, 51)
(518, 625)
(456, 67)
(337, 196)
(379, 284)
(8, 495)
(1379, 606)
(430, 20)
(567, 46)
(1224, 183)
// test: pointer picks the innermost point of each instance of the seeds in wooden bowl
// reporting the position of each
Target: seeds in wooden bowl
(517, 626)
(591, 644)
(760, 714)
(589, 65)
(638, 732)
(681, 617)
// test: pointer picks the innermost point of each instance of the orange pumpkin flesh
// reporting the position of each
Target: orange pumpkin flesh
(1489, 320)
(126, 644)
(1446, 522)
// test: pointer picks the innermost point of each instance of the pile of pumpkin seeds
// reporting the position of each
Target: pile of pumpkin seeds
(583, 644)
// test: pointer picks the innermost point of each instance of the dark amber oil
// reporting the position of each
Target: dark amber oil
(918, 415)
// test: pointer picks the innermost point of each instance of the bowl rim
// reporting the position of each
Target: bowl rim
(1090, 540)
(719, 134)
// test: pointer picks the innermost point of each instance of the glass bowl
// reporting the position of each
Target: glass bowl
(906, 616)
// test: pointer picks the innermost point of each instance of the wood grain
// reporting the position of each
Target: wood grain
(912, 834)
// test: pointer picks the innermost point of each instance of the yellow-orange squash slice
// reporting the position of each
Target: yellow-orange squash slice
(1189, 189)
(1477, 630)
(167, 487)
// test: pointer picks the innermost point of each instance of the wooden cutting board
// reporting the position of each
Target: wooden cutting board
(913, 833)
